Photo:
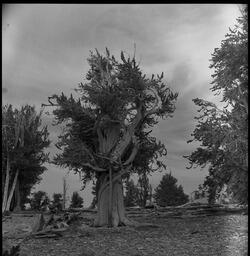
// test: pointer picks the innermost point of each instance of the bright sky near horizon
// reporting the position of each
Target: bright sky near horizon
(45, 47)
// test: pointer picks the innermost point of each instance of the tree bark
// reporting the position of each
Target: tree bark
(110, 204)
(12, 191)
(17, 206)
(118, 217)
(6, 185)
(110, 196)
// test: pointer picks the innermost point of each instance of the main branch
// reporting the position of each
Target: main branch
(95, 168)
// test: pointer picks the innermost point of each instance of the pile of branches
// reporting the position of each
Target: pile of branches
(54, 226)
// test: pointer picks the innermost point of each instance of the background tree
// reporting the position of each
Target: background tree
(23, 142)
(76, 201)
(108, 128)
(168, 193)
(131, 197)
(39, 201)
(57, 201)
(94, 193)
(144, 189)
(28, 177)
(223, 134)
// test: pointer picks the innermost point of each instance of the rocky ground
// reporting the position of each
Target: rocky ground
(158, 235)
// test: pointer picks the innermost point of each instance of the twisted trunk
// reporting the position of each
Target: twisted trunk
(111, 211)
(110, 201)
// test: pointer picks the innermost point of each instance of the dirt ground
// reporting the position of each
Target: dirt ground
(224, 235)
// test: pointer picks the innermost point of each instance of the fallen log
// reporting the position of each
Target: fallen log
(22, 214)
(46, 236)
(51, 230)
(188, 211)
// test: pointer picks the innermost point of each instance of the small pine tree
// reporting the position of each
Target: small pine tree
(168, 193)
(39, 201)
(132, 194)
(76, 201)
(57, 201)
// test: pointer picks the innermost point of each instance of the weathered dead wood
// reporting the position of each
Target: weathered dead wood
(46, 236)
(184, 212)
(22, 214)
(54, 226)
(50, 220)
(39, 224)
(4, 218)
(50, 230)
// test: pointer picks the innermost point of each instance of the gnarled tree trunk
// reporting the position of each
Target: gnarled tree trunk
(117, 215)
(12, 191)
(17, 206)
(6, 185)
(110, 202)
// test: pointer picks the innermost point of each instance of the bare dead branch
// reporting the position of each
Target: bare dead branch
(51, 104)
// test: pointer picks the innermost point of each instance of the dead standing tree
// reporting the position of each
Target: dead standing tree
(108, 128)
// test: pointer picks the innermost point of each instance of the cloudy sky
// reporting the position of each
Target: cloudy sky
(45, 47)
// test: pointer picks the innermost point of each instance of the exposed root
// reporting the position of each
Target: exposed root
(124, 222)
(128, 222)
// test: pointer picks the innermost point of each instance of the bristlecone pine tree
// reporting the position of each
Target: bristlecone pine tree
(223, 133)
(108, 128)
(23, 142)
